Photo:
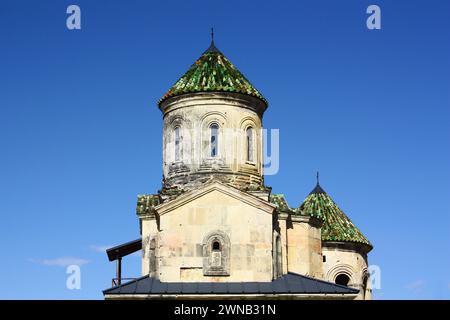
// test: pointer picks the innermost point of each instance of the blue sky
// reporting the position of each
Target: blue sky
(80, 133)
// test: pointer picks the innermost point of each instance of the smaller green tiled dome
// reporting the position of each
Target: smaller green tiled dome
(337, 227)
(212, 72)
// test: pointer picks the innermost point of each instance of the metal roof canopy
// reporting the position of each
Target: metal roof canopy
(124, 249)
(290, 283)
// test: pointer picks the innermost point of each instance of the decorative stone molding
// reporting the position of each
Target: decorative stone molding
(210, 187)
(342, 269)
(178, 167)
(201, 98)
(216, 254)
(361, 248)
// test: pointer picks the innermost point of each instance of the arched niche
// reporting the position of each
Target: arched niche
(216, 254)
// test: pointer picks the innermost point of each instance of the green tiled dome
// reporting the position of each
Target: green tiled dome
(337, 226)
(212, 72)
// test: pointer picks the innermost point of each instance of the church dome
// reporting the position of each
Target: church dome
(337, 227)
(212, 72)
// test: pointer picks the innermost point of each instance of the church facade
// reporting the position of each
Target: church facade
(215, 230)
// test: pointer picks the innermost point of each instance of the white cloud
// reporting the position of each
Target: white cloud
(60, 262)
(99, 248)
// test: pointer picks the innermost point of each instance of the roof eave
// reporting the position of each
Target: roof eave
(260, 98)
(348, 245)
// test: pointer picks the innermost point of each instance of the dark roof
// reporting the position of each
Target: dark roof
(290, 283)
(213, 49)
(317, 189)
(124, 249)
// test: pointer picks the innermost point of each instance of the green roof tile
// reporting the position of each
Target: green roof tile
(280, 202)
(337, 226)
(212, 72)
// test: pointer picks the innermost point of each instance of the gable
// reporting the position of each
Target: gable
(216, 210)
(244, 220)
(210, 194)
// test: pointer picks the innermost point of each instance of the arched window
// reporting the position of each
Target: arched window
(216, 246)
(214, 142)
(176, 134)
(342, 279)
(249, 140)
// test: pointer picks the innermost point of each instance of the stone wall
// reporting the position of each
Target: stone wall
(149, 230)
(185, 229)
(304, 251)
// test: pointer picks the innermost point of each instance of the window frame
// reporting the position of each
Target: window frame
(214, 125)
(250, 146)
(177, 143)
(224, 249)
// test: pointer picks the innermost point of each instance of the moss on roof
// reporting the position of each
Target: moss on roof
(337, 226)
(212, 72)
(280, 202)
(146, 203)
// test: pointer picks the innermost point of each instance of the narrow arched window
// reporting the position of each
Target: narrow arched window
(216, 246)
(214, 142)
(278, 261)
(249, 138)
(177, 143)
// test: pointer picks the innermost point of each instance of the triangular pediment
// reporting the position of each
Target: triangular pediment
(215, 187)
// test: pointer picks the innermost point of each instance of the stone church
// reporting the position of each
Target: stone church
(215, 230)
